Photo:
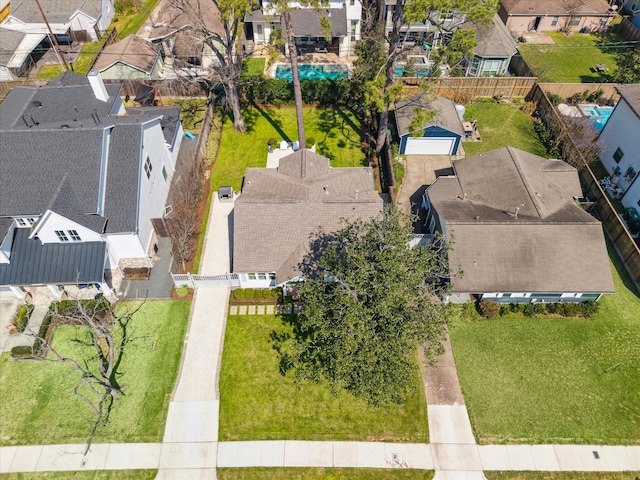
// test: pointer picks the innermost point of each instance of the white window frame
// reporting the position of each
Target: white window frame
(74, 235)
(62, 236)
(251, 276)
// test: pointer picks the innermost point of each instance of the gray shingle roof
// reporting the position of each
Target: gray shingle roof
(134, 51)
(279, 210)
(447, 117)
(306, 22)
(631, 95)
(495, 40)
(57, 11)
(33, 262)
(553, 7)
(10, 41)
(169, 121)
(541, 249)
(47, 167)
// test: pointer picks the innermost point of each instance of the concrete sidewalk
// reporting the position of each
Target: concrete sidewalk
(198, 460)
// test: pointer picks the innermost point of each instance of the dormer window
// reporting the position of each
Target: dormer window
(75, 236)
(26, 222)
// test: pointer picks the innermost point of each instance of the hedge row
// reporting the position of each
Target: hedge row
(489, 309)
(22, 317)
(257, 295)
(279, 91)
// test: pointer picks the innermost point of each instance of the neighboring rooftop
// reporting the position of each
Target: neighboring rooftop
(56, 11)
(280, 209)
(516, 227)
(554, 7)
(494, 40)
(133, 51)
(306, 22)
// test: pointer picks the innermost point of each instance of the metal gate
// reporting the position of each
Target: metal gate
(227, 280)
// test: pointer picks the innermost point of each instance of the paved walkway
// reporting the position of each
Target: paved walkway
(10, 338)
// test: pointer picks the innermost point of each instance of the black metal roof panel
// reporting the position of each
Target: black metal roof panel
(34, 263)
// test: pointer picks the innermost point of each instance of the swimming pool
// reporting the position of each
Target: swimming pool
(398, 71)
(598, 114)
(310, 71)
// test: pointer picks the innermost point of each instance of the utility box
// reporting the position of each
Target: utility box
(225, 194)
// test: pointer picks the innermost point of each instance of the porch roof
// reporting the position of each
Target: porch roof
(35, 263)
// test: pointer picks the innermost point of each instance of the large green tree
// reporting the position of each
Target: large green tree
(369, 301)
(223, 39)
(628, 70)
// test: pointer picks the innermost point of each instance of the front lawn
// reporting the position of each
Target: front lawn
(571, 59)
(257, 403)
(83, 475)
(38, 403)
(555, 380)
(322, 474)
(335, 131)
(557, 475)
(502, 124)
(129, 20)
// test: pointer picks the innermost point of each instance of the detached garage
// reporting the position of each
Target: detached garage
(440, 136)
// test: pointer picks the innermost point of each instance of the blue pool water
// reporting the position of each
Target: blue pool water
(398, 71)
(310, 71)
(598, 114)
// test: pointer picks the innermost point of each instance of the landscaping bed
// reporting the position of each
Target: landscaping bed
(269, 296)
(555, 380)
(258, 403)
(266, 473)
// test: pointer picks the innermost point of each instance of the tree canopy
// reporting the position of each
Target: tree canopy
(628, 66)
(368, 302)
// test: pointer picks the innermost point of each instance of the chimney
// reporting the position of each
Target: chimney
(99, 90)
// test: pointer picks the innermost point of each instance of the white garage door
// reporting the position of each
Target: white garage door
(429, 146)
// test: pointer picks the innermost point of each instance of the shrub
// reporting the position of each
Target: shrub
(529, 310)
(22, 351)
(249, 293)
(505, 309)
(182, 291)
(311, 141)
(589, 309)
(276, 293)
(22, 317)
(238, 294)
(489, 309)
(555, 99)
(595, 95)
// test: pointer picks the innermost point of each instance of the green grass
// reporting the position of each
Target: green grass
(502, 124)
(571, 58)
(335, 131)
(192, 114)
(257, 403)
(253, 66)
(49, 72)
(555, 380)
(39, 404)
(558, 475)
(322, 474)
(129, 23)
(87, 56)
(83, 475)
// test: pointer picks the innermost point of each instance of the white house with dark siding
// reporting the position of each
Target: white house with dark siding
(77, 172)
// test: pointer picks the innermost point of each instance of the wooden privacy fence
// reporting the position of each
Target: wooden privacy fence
(611, 221)
(566, 90)
(465, 89)
(628, 31)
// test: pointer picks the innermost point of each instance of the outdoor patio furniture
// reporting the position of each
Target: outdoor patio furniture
(600, 67)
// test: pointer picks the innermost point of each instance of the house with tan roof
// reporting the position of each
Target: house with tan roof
(281, 209)
(518, 234)
(133, 58)
(556, 15)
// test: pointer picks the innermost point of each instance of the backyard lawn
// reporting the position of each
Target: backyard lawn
(322, 474)
(502, 124)
(257, 403)
(555, 380)
(335, 131)
(571, 59)
(40, 407)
